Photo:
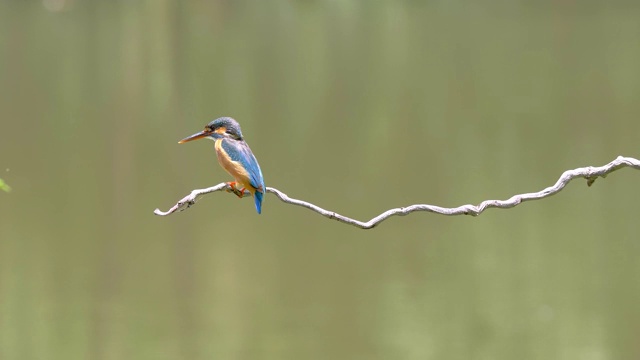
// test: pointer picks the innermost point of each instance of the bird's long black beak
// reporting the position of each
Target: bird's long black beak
(200, 135)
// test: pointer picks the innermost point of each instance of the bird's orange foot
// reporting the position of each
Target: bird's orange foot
(240, 193)
(232, 188)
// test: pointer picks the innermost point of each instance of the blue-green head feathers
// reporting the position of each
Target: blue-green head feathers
(229, 125)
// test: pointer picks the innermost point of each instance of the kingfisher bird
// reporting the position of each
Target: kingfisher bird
(235, 157)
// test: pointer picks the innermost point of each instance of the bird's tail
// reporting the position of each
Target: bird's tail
(257, 196)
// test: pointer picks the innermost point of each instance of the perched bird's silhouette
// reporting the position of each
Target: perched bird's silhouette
(235, 156)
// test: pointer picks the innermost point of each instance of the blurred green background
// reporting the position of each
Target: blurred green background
(357, 106)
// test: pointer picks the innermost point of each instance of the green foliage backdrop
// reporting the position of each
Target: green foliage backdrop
(358, 106)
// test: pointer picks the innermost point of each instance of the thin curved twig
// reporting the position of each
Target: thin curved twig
(590, 173)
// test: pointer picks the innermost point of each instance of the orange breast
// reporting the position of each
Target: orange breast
(234, 168)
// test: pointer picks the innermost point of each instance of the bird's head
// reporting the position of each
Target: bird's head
(224, 127)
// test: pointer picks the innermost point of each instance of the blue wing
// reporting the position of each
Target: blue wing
(239, 151)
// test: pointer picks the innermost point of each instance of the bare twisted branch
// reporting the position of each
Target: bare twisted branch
(590, 173)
